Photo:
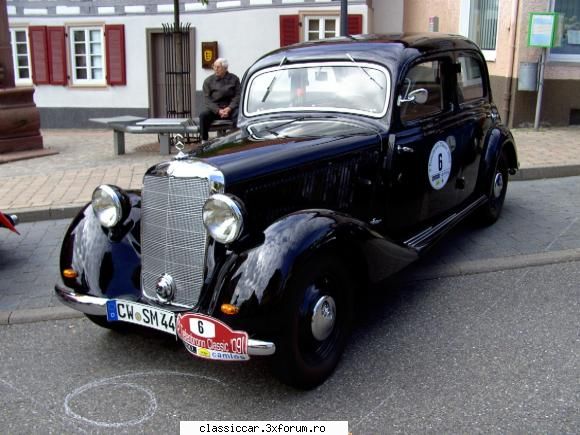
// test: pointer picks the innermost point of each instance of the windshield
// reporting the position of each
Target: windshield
(336, 87)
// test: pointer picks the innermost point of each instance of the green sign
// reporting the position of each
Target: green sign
(542, 29)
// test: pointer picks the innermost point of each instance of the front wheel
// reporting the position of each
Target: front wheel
(490, 212)
(317, 322)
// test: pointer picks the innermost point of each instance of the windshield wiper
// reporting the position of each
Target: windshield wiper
(271, 85)
(363, 70)
(272, 130)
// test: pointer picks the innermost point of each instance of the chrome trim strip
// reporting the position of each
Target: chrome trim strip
(194, 168)
(98, 307)
(260, 348)
(416, 240)
(83, 303)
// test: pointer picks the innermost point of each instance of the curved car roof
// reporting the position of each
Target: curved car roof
(390, 49)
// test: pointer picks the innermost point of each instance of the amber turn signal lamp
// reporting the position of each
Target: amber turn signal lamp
(69, 273)
(229, 309)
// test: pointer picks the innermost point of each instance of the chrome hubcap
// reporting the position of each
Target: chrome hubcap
(498, 185)
(323, 318)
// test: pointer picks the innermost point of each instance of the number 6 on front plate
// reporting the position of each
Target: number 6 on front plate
(203, 328)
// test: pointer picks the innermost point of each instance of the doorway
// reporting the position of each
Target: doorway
(168, 96)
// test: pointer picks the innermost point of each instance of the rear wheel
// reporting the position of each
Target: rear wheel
(490, 212)
(317, 323)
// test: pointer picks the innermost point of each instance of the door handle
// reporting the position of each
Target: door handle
(401, 149)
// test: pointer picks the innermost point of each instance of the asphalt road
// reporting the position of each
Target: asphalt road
(495, 353)
(471, 339)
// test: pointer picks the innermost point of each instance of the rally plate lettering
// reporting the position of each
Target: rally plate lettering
(206, 337)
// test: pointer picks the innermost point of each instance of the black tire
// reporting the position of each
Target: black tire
(102, 321)
(308, 352)
(489, 213)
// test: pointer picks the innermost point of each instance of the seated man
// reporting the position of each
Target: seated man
(222, 97)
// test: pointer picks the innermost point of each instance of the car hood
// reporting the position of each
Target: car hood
(258, 150)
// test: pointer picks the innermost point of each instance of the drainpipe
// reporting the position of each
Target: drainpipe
(508, 90)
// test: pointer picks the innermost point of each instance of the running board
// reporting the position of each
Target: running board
(426, 237)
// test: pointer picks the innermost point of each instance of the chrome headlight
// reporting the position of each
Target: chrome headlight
(222, 217)
(108, 205)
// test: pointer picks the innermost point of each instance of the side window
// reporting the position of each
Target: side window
(469, 79)
(427, 76)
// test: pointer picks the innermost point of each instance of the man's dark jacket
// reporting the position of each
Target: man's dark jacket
(221, 92)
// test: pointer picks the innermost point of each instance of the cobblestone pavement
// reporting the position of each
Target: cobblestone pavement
(548, 146)
(540, 216)
(86, 159)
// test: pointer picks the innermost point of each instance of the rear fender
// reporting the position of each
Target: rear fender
(498, 140)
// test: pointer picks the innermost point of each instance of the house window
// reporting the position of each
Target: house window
(479, 22)
(87, 55)
(21, 56)
(570, 48)
(321, 28)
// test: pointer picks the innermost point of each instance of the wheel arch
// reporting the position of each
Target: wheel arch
(258, 280)
(499, 140)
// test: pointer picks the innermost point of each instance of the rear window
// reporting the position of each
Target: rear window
(470, 79)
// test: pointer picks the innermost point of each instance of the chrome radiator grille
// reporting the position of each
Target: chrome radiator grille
(173, 237)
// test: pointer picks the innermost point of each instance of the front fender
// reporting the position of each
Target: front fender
(257, 280)
(107, 262)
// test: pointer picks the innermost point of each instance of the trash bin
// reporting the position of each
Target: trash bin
(528, 76)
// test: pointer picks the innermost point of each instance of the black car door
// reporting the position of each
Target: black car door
(423, 168)
(475, 116)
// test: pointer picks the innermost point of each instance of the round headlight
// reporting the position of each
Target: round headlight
(107, 205)
(222, 216)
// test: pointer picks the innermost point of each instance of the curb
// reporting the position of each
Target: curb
(525, 174)
(493, 265)
(38, 315)
(34, 214)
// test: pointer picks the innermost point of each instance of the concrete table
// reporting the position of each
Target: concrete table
(118, 124)
(138, 125)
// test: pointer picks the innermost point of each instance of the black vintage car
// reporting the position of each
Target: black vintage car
(354, 155)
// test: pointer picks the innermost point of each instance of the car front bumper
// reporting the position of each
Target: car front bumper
(98, 307)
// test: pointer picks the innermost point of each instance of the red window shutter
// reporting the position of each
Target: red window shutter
(289, 29)
(57, 55)
(355, 23)
(115, 49)
(39, 55)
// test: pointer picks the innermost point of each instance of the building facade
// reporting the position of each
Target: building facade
(98, 59)
(500, 27)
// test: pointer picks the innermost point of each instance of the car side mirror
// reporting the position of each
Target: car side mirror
(418, 96)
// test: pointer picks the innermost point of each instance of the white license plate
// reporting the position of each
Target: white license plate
(141, 314)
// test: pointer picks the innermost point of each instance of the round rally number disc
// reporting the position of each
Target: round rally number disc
(439, 165)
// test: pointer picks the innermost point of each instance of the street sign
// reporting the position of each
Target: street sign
(542, 29)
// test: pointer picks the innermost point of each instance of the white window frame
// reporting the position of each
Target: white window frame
(73, 60)
(322, 19)
(464, 19)
(17, 79)
(558, 57)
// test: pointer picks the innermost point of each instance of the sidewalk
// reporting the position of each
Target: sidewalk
(56, 186)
